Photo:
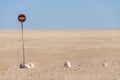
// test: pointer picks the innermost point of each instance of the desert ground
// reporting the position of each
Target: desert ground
(94, 54)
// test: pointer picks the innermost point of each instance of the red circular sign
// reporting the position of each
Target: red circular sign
(21, 18)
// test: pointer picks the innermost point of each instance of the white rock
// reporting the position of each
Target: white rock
(27, 66)
(105, 64)
(31, 65)
(67, 64)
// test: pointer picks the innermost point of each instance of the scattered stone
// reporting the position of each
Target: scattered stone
(105, 64)
(31, 65)
(67, 64)
(27, 66)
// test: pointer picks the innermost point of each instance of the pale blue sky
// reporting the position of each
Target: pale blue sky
(61, 13)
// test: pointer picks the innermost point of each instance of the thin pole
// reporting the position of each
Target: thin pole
(23, 43)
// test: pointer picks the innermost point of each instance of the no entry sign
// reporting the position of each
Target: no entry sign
(21, 18)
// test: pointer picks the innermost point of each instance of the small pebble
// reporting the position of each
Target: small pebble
(105, 64)
(67, 64)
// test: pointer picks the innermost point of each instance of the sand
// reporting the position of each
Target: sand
(94, 54)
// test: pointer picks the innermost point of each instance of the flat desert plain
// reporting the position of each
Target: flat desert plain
(94, 54)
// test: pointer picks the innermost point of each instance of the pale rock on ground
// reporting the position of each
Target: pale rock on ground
(67, 64)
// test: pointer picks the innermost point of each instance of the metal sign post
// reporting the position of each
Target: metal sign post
(23, 43)
(22, 18)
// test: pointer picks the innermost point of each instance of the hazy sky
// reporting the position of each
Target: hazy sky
(61, 13)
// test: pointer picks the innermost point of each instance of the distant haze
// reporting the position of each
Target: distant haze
(61, 13)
